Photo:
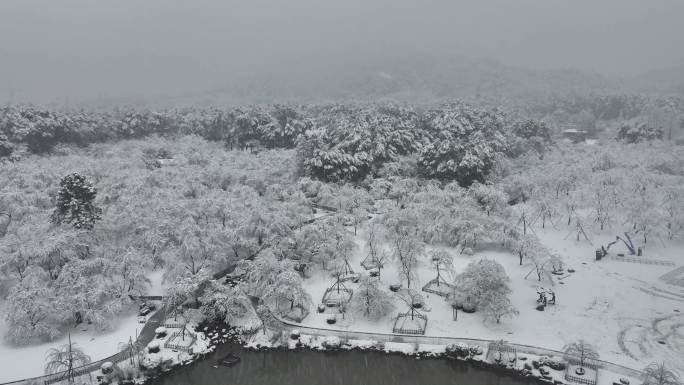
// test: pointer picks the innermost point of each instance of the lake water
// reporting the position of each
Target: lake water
(284, 367)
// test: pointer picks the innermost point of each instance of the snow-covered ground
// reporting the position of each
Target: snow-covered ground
(630, 315)
(20, 362)
(29, 361)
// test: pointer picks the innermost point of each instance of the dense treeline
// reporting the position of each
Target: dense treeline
(279, 126)
(334, 142)
(42, 129)
(594, 112)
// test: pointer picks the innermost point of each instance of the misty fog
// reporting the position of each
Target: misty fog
(74, 51)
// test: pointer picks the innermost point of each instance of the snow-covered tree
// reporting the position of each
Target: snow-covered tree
(443, 262)
(604, 193)
(287, 288)
(371, 300)
(174, 297)
(6, 148)
(529, 129)
(546, 210)
(375, 240)
(76, 202)
(673, 206)
(659, 374)
(498, 307)
(489, 197)
(188, 286)
(262, 273)
(83, 292)
(30, 312)
(349, 141)
(465, 144)
(407, 250)
(637, 132)
(66, 358)
(539, 258)
(16, 265)
(196, 251)
(128, 274)
(581, 350)
(5, 220)
(223, 303)
(482, 282)
(527, 246)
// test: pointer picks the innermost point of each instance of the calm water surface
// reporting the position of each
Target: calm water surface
(332, 368)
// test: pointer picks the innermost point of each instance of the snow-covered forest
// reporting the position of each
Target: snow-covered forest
(208, 184)
(356, 208)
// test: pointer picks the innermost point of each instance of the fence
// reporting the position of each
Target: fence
(446, 288)
(502, 348)
(579, 380)
(337, 297)
(370, 262)
(643, 261)
(182, 334)
(404, 316)
(573, 362)
(146, 335)
(174, 324)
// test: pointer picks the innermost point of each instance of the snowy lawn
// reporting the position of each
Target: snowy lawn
(630, 315)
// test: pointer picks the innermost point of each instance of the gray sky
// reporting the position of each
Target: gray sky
(79, 49)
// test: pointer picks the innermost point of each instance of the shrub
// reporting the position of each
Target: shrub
(476, 350)
(153, 347)
(552, 362)
(160, 332)
(460, 350)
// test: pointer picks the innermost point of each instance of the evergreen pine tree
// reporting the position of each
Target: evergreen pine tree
(76, 203)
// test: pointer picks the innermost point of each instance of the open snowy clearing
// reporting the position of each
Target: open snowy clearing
(623, 308)
(20, 362)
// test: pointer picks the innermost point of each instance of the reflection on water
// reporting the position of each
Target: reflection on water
(332, 368)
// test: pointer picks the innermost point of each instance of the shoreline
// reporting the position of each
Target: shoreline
(292, 341)
(414, 346)
(479, 364)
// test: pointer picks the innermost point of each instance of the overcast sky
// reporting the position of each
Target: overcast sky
(79, 49)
